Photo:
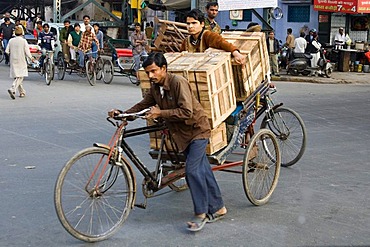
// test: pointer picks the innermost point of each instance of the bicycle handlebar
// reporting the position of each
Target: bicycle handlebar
(140, 114)
(125, 116)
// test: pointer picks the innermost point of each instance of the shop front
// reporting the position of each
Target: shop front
(354, 17)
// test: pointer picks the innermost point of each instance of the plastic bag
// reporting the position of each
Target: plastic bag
(348, 40)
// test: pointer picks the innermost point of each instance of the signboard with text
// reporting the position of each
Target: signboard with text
(243, 4)
(343, 6)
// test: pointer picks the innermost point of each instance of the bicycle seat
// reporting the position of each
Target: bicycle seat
(124, 52)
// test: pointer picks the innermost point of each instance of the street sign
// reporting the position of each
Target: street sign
(348, 6)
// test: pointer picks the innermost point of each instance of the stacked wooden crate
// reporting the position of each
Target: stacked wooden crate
(170, 35)
(217, 141)
(210, 77)
(253, 46)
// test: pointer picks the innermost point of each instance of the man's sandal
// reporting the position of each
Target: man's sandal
(215, 217)
(197, 223)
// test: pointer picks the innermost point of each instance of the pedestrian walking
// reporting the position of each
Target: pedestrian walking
(7, 30)
(18, 50)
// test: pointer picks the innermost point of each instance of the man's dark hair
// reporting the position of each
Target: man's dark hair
(289, 30)
(77, 25)
(213, 4)
(96, 24)
(46, 25)
(67, 21)
(302, 34)
(6, 19)
(252, 24)
(86, 16)
(157, 58)
(137, 24)
(196, 14)
(39, 22)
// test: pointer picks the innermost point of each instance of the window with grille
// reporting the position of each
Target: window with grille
(299, 13)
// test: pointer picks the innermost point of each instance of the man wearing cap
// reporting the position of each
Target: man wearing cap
(18, 50)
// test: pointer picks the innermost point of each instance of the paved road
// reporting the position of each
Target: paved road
(321, 201)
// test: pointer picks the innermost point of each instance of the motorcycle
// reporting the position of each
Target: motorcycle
(301, 65)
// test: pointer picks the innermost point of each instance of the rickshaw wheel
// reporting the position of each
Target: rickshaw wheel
(108, 71)
(261, 167)
(99, 68)
(90, 73)
(61, 68)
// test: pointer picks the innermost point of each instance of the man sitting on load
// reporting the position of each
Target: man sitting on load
(46, 42)
(85, 44)
(200, 39)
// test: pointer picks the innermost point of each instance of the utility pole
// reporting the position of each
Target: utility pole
(124, 18)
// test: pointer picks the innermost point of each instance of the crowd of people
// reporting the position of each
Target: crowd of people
(80, 39)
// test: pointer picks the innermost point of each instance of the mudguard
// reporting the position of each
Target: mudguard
(107, 147)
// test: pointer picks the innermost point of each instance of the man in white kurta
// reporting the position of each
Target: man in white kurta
(18, 50)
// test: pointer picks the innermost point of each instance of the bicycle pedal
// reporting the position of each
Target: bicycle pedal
(141, 205)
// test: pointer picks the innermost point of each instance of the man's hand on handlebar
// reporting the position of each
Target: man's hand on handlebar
(118, 114)
(114, 113)
(154, 113)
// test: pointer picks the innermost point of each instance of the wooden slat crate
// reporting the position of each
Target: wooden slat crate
(144, 80)
(248, 77)
(170, 35)
(211, 80)
(213, 85)
(217, 141)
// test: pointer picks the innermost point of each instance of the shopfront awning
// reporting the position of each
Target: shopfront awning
(343, 6)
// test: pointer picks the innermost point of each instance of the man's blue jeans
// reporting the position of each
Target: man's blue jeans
(202, 183)
(94, 49)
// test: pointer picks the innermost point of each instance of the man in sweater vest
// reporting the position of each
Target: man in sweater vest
(74, 38)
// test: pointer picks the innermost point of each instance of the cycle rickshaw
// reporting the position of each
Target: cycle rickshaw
(96, 189)
(123, 59)
(47, 69)
(94, 69)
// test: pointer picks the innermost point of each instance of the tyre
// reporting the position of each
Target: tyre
(328, 72)
(49, 71)
(132, 75)
(108, 71)
(99, 68)
(2, 54)
(61, 67)
(293, 72)
(90, 72)
(89, 209)
(305, 72)
(290, 131)
(261, 167)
